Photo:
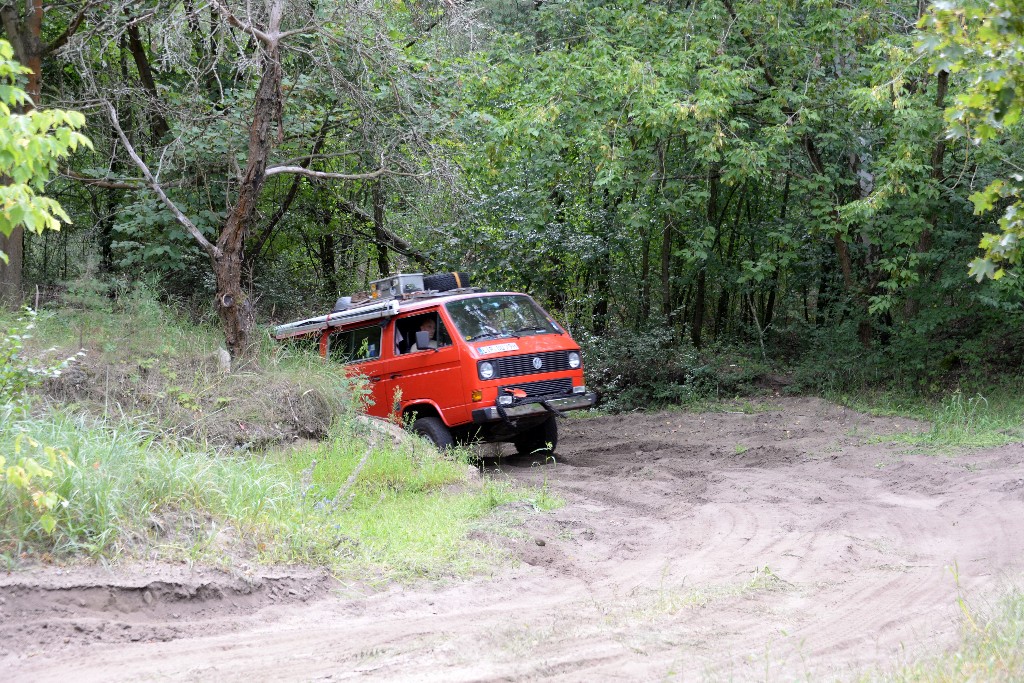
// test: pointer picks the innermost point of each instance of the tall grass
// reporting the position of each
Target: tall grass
(127, 491)
(167, 456)
(957, 420)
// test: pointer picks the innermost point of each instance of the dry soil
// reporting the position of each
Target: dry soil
(790, 543)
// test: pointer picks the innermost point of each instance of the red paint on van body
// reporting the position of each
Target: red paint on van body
(446, 380)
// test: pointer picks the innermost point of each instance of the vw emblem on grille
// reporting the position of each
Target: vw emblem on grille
(537, 363)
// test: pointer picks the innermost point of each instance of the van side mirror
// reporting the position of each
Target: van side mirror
(422, 340)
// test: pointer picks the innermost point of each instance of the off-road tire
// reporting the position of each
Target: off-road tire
(435, 430)
(442, 282)
(536, 439)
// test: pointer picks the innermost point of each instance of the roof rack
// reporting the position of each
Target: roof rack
(384, 299)
(359, 313)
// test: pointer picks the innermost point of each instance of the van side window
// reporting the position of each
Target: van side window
(359, 344)
(406, 328)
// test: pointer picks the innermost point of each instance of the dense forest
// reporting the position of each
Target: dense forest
(784, 181)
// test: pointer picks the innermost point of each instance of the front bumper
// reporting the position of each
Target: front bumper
(535, 406)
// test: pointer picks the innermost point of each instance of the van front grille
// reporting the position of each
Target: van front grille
(513, 366)
(543, 388)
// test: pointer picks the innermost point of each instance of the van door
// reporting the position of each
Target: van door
(362, 351)
(431, 374)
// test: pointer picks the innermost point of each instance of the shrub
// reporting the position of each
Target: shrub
(657, 367)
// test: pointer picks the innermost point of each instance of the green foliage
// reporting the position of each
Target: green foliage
(19, 372)
(984, 41)
(23, 485)
(748, 174)
(654, 368)
(31, 146)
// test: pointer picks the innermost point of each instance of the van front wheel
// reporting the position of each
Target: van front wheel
(435, 430)
(542, 439)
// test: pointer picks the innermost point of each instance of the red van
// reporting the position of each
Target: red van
(461, 364)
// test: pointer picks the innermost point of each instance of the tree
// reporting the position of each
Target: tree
(254, 95)
(31, 145)
(25, 34)
(984, 41)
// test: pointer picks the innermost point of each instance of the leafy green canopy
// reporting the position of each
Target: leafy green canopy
(31, 145)
(985, 42)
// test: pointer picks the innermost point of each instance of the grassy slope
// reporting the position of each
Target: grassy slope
(142, 467)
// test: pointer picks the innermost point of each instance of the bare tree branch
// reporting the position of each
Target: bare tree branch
(105, 183)
(154, 185)
(256, 251)
(248, 27)
(324, 175)
(62, 39)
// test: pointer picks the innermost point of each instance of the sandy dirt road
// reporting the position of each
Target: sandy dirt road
(780, 545)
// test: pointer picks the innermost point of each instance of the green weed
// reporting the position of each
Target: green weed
(958, 420)
(990, 649)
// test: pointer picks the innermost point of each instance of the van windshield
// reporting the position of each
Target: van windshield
(500, 315)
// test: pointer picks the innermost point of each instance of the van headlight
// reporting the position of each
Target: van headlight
(485, 370)
(574, 359)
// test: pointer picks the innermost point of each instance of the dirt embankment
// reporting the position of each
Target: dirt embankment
(775, 545)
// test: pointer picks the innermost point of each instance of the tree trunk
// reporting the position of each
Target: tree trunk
(10, 274)
(379, 233)
(697, 327)
(722, 311)
(328, 267)
(666, 272)
(157, 123)
(644, 309)
(698, 308)
(769, 307)
(601, 305)
(924, 243)
(233, 307)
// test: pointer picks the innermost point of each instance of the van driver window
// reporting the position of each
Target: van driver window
(406, 329)
(351, 346)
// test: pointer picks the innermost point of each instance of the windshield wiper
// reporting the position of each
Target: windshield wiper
(504, 334)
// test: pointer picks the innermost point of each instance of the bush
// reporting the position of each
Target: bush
(930, 355)
(656, 367)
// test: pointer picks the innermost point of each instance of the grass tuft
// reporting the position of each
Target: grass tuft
(957, 420)
(990, 650)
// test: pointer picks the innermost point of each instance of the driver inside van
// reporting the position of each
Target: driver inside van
(429, 325)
